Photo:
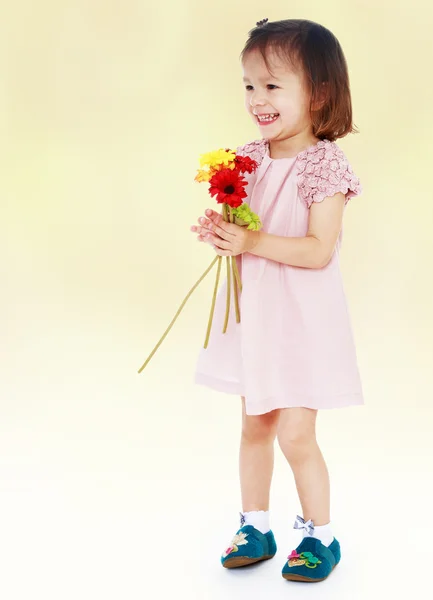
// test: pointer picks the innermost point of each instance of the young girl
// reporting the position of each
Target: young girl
(293, 352)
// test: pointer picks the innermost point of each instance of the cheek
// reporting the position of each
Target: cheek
(295, 108)
(248, 106)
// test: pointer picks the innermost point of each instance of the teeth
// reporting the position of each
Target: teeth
(267, 117)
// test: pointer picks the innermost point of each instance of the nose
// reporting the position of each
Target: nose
(257, 100)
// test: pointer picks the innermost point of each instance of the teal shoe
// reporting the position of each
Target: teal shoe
(311, 561)
(249, 546)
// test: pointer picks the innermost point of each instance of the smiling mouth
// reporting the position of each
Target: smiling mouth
(267, 119)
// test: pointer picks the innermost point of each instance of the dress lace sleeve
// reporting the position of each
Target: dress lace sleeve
(255, 150)
(323, 171)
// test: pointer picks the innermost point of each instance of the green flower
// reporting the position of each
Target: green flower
(245, 214)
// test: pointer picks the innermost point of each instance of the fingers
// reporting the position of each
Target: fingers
(215, 220)
(214, 240)
(222, 252)
(203, 238)
(219, 233)
(217, 241)
(214, 231)
(204, 225)
(203, 221)
(217, 224)
(207, 226)
(223, 233)
(218, 250)
(208, 240)
(199, 230)
(215, 217)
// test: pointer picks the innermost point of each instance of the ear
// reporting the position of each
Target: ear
(321, 97)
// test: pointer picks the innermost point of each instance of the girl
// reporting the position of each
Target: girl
(293, 352)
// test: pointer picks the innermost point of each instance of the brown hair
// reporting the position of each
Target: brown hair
(318, 53)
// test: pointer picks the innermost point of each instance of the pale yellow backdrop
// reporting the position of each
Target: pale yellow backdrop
(105, 108)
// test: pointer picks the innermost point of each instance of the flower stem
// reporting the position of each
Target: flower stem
(235, 290)
(213, 301)
(236, 279)
(178, 312)
(236, 273)
(234, 263)
(226, 320)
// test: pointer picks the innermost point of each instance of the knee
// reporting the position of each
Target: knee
(295, 442)
(260, 428)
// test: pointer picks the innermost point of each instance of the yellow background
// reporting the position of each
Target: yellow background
(105, 108)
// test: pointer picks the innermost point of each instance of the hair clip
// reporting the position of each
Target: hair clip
(262, 22)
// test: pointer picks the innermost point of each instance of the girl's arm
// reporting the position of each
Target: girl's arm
(313, 251)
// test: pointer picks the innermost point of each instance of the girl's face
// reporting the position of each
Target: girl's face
(283, 94)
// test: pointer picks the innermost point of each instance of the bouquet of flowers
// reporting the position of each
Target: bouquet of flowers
(224, 174)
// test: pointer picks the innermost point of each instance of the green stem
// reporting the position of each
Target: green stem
(226, 320)
(178, 312)
(236, 278)
(213, 301)
(236, 273)
(235, 289)
(235, 264)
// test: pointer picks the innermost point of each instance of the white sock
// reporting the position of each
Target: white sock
(323, 533)
(258, 519)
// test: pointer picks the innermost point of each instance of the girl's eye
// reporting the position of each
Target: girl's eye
(269, 85)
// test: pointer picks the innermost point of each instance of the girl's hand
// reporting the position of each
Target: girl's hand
(228, 239)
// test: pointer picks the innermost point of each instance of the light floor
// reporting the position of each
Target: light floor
(120, 486)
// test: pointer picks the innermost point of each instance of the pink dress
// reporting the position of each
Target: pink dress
(294, 345)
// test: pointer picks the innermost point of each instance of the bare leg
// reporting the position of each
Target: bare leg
(297, 439)
(256, 458)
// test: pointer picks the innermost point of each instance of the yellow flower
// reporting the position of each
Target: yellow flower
(202, 175)
(218, 158)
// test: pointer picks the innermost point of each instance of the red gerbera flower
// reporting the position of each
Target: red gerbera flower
(229, 187)
(245, 164)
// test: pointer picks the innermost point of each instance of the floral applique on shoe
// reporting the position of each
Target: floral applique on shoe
(238, 540)
(312, 560)
(305, 558)
(248, 546)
